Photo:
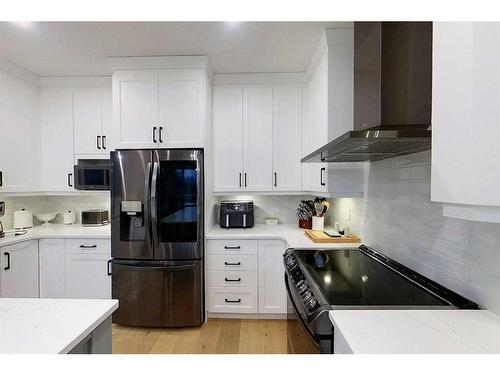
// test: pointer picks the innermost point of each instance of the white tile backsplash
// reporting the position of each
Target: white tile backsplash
(397, 217)
(39, 204)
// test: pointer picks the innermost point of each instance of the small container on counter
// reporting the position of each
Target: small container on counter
(318, 223)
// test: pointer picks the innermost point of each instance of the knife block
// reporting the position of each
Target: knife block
(305, 224)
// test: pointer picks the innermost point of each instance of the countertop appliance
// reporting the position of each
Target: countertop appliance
(69, 217)
(2, 212)
(95, 218)
(392, 94)
(236, 214)
(23, 219)
(318, 281)
(92, 174)
(157, 237)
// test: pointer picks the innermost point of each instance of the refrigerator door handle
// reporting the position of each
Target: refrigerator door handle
(154, 204)
(147, 208)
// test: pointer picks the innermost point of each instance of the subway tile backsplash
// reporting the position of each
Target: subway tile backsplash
(398, 218)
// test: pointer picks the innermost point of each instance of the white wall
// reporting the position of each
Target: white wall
(399, 220)
(39, 204)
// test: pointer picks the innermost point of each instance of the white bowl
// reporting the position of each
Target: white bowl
(46, 217)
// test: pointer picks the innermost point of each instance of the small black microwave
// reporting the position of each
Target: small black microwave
(93, 174)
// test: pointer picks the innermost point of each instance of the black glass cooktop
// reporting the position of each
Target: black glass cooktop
(356, 278)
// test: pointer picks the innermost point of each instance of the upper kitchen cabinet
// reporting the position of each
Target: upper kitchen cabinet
(18, 103)
(466, 119)
(158, 108)
(56, 139)
(92, 120)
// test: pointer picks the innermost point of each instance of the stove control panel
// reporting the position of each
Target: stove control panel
(300, 283)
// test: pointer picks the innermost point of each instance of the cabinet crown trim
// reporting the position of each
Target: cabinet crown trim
(160, 62)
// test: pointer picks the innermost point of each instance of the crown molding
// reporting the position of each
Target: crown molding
(76, 81)
(260, 78)
(158, 62)
(18, 72)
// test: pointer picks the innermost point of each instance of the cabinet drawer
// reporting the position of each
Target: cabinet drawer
(220, 262)
(232, 278)
(232, 247)
(232, 300)
(88, 245)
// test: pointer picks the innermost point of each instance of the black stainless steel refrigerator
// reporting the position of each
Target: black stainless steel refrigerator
(157, 237)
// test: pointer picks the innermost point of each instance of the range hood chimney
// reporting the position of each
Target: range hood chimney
(392, 94)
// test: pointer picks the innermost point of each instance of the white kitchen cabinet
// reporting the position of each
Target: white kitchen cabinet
(287, 139)
(228, 138)
(272, 291)
(19, 270)
(17, 124)
(56, 138)
(158, 108)
(466, 119)
(257, 138)
(92, 109)
(181, 114)
(52, 259)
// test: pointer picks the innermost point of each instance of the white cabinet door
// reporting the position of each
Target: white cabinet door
(52, 258)
(287, 139)
(87, 276)
(257, 139)
(135, 109)
(17, 120)
(56, 112)
(228, 138)
(272, 291)
(19, 270)
(107, 121)
(181, 114)
(88, 120)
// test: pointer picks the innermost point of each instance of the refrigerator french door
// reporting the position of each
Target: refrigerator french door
(157, 237)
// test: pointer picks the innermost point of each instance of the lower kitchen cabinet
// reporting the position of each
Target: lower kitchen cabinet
(52, 253)
(19, 270)
(88, 276)
(245, 276)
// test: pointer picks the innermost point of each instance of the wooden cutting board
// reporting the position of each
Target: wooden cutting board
(320, 236)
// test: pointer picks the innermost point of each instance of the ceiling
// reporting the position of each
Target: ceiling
(80, 48)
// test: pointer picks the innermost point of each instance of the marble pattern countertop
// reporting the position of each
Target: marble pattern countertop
(50, 326)
(58, 231)
(291, 234)
(416, 331)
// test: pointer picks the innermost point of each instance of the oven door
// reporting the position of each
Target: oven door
(299, 339)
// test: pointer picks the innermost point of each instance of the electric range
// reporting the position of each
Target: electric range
(321, 280)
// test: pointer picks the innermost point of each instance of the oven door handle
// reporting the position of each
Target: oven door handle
(297, 313)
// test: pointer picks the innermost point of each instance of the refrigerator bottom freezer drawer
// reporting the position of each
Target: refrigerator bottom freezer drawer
(158, 294)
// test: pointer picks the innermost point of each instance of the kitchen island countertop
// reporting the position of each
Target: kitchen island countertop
(415, 331)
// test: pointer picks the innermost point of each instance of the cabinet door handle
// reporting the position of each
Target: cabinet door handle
(232, 300)
(109, 271)
(322, 183)
(275, 179)
(232, 280)
(70, 175)
(245, 179)
(7, 267)
(98, 142)
(88, 246)
(240, 179)
(1, 179)
(104, 142)
(154, 134)
(160, 133)
(232, 263)
(229, 247)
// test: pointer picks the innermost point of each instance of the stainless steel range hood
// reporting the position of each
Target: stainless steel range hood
(392, 94)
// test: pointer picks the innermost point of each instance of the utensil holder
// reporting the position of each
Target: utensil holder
(318, 223)
(305, 224)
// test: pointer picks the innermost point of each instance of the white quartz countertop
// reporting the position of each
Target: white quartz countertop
(291, 234)
(58, 231)
(33, 325)
(416, 331)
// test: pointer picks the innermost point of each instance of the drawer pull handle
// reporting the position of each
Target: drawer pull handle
(88, 246)
(232, 263)
(232, 247)
(233, 300)
(235, 280)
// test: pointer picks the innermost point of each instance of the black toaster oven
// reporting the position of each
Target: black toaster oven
(236, 214)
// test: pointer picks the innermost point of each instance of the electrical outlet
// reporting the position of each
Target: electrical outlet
(349, 214)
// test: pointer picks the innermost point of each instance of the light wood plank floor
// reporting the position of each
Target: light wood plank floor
(215, 336)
